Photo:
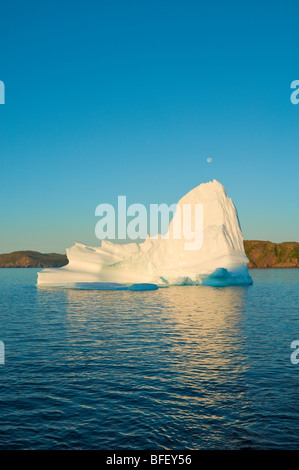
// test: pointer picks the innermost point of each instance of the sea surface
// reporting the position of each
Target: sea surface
(176, 368)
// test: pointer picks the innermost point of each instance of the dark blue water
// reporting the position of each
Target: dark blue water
(176, 368)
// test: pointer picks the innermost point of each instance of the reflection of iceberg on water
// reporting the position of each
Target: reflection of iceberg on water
(221, 260)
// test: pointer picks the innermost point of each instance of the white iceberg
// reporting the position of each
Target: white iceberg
(221, 261)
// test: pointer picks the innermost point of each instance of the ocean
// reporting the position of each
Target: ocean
(176, 368)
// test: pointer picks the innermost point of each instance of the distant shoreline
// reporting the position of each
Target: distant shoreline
(269, 255)
(254, 268)
(261, 255)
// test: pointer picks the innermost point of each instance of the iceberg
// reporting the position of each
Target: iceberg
(164, 260)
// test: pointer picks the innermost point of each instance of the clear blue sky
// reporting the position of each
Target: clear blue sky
(108, 98)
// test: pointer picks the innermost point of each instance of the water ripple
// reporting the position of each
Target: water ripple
(183, 367)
